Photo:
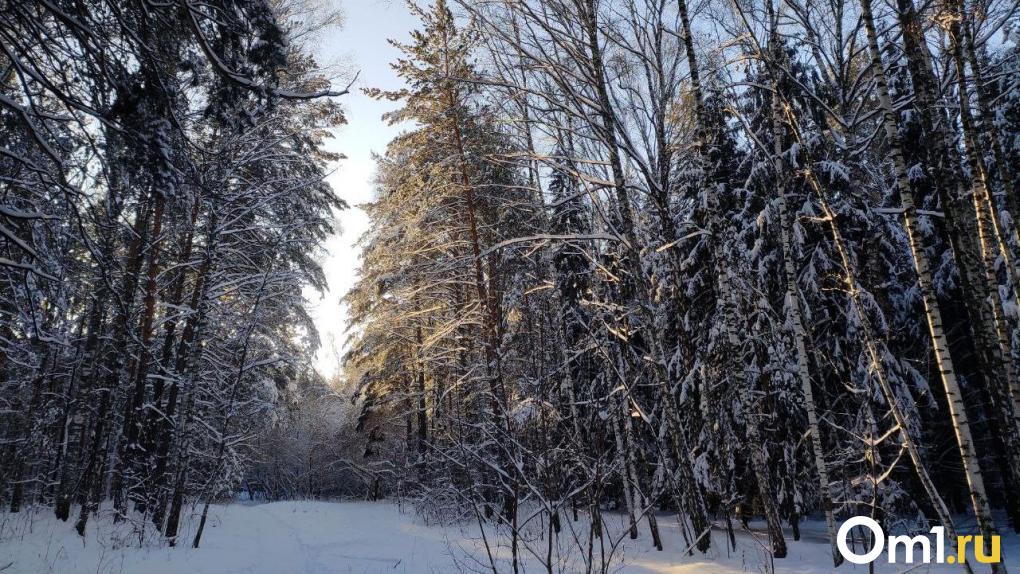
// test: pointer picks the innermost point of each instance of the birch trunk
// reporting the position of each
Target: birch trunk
(726, 297)
(694, 503)
(990, 235)
(961, 219)
(967, 226)
(940, 345)
(627, 476)
(871, 347)
(986, 123)
(800, 333)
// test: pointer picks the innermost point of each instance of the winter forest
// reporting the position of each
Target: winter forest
(647, 286)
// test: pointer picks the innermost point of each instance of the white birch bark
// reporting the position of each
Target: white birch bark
(628, 474)
(726, 297)
(871, 347)
(940, 344)
(800, 333)
(991, 240)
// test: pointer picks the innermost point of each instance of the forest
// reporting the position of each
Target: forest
(716, 262)
(163, 200)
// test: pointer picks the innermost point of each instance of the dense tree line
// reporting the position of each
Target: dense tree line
(727, 259)
(162, 202)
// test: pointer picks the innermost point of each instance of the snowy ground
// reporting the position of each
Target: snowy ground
(355, 537)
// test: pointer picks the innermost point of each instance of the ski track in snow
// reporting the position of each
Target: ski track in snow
(359, 537)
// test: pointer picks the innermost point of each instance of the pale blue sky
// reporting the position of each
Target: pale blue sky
(361, 45)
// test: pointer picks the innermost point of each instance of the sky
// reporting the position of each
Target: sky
(360, 45)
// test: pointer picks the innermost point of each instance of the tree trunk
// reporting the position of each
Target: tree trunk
(800, 335)
(940, 345)
(694, 503)
(626, 477)
(875, 356)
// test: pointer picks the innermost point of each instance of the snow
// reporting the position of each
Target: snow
(362, 537)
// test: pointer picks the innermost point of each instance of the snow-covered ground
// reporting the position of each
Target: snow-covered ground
(360, 537)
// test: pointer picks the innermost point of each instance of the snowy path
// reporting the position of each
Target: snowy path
(350, 538)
